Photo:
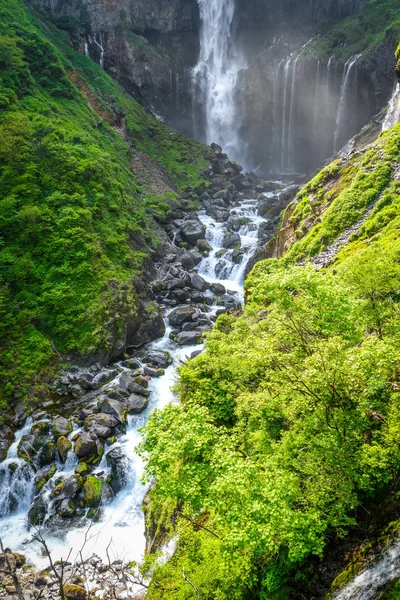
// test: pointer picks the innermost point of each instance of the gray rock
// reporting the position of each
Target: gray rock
(193, 231)
(158, 358)
(61, 427)
(218, 289)
(136, 404)
(127, 384)
(67, 508)
(186, 338)
(103, 377)
(175, 284)
(198, 283)
(37, 511)
(231, 240)
(85, 445)
(119, 466)
(186, 260)
(111, 407)
(104, 419)
(101, 431)
(203, 246)
(181, 315)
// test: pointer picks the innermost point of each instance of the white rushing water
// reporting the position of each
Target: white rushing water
(370, 582)
(121, 525)
(393, 111)
(344, 93)
(216, 73)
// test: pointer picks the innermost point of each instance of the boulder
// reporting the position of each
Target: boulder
(128, 385)
(101, 431)
(103, 377)
(85, 445)
(74, 592)
(63, 447)
(115, 408)
(231, 240)
(45, 447)
(61, 427)
(104, 419)
(25, 447)
(43, 476)
(187, 338)
(186, 260)
(203, 246)
(119, 467)
(149, 325)
(136, 404)
(37, 511)
(175, 284)
(193, 231)
(218, 289)
(158, 358)
(198, 283)
(181, 315)
(92, 490)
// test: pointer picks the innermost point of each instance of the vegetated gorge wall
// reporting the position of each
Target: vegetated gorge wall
(284, 110)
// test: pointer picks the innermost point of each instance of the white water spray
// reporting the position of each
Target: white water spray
(348, 68)
(215, 75)
(393, 112)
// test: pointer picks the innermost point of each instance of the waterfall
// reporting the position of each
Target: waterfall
(343, 97)
(86, 46)
(393, 111)
(215, 75)
(284, 116)
(371, 581)
(100, 45)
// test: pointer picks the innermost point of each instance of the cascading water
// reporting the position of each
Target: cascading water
(344, 90)
(215, 75)
(370, 582)
(393, 112)
(121, 526)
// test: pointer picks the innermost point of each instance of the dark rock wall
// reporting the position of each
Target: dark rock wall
(150, 46)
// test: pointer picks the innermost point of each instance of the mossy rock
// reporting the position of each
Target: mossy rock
(92, 490)
(40, 428)
(46, 475)
(74, 592)
(82, 469)
(61, 427)
(63, 447)
(67, 508)
(111, 440)
(95, 460)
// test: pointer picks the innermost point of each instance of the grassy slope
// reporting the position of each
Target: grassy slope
(362, 32)
(73, 218)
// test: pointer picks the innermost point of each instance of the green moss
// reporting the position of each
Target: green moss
(92, 490)
(82, 469)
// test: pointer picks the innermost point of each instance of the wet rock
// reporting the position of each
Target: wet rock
(221, 216)
(136, 404)
(186, 338)
(63, 447)
(224, 195)
(127, 384)
(193, 231)
(218, 289)
(43, 476)
(40, 428)
(82, 469)
(186, 260)
(119, 466)
(92, 490)
(152, 372)
(37, 512)
(203, 246)
(132, 363)
(180, 315)
(45, 448)
(85, 445)
(61, 427)
(101, 431)
(74, 592)
(115, 408)
(67, 508)
(196, 353)
(158, 358)
(6, 437)
(104, 419)
(103, 377)
(25, 447)
(198, 283)
(175, 284)
(143, 381)
(231, 240)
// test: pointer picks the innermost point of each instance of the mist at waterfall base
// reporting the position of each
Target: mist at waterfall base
(120, 530)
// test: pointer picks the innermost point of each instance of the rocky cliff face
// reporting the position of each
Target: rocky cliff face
(288, 99)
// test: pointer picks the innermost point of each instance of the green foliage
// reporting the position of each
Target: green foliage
(362, 32)
(286, 424)
(73, 218)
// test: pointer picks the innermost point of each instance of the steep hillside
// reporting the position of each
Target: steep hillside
(81, 166)
(289, 422)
